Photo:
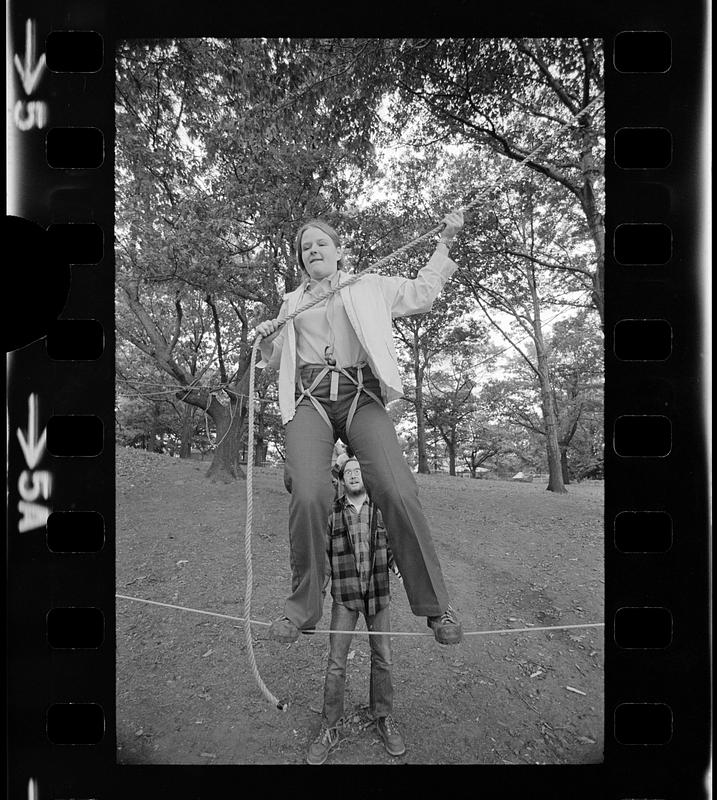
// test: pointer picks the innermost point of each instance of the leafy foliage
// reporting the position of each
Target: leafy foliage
(225, 146)
(576, 359)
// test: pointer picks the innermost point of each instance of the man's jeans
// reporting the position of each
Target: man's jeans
(381, 688)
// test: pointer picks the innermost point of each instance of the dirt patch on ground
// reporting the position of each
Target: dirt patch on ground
(513, 555)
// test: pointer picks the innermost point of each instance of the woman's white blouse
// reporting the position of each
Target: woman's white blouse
(369, 304)
(326, 325)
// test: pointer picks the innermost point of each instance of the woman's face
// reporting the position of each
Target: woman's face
(319, 254)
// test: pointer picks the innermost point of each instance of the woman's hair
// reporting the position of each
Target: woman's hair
(327, 229)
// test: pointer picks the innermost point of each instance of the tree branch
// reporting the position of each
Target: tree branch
(178, 325)
(505, 335)
(217, 339)
(554, 84)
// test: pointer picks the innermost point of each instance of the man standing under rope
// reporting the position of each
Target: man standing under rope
(359, 556)
(337, 368)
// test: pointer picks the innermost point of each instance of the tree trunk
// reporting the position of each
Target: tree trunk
(185, 447)
(550, 415)
(260, 449)
(260, 443)
(155, 437)
(226, 466)
(564, 465)
(421, 447)
(423, 467)
(451, 446)
(595, 220)
(435, 452)
(228, 423)
(555, 472)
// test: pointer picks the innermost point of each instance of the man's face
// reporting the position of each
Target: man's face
(352, 477)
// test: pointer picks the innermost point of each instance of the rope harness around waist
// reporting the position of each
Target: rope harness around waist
(306, 391)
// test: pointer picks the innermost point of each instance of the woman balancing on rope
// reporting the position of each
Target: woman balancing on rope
(337, 367)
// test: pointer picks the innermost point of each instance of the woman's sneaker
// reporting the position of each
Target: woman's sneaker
(283, 630)
(323, 744)
(446, 627)
(390, 735)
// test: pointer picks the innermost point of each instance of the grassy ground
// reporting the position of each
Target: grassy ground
(513, 555)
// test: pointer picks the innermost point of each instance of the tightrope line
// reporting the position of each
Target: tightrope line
(363, 632)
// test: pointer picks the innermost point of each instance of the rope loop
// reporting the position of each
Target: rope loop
(281, 706)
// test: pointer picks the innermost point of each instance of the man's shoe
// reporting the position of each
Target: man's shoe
(283, 630)
(390, 735)
(446, 627)
(323, 744)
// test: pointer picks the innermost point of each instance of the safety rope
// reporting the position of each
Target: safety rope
(247, 541)
(372, 267)
(361, 632)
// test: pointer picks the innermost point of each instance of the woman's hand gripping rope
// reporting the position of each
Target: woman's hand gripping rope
(266, 329)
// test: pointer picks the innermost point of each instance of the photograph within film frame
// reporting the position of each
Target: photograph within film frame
(60, 378)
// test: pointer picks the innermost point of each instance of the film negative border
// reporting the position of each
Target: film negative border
(651, 505)
(60, 406)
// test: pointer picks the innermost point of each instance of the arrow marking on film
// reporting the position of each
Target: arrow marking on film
(32, 447)
(30, 72)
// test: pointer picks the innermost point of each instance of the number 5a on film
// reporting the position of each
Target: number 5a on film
(33, 484)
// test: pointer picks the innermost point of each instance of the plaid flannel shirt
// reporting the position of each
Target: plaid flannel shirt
(345, 581)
